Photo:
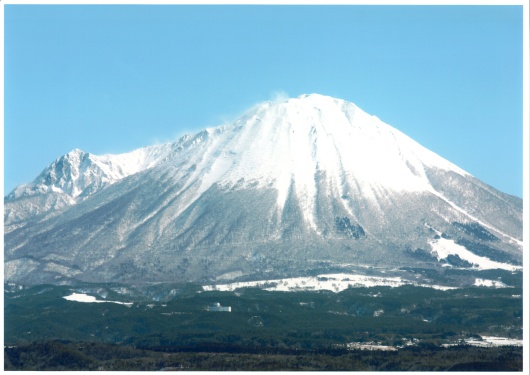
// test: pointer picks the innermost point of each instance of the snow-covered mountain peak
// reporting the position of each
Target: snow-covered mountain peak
(308, 110)
(291, 185)
(315, 133)
(321, 101)
(75, 152)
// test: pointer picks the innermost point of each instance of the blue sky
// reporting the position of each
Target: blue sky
(109, 79)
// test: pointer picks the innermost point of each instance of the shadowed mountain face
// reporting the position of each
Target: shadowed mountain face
(309, 184)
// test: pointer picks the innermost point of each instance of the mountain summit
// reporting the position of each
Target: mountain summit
(290, 188)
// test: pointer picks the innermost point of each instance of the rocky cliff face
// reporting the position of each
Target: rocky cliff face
(307, 184)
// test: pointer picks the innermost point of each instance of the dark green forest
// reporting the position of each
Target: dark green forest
(61, 355)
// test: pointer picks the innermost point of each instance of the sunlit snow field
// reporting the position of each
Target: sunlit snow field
(333, 282)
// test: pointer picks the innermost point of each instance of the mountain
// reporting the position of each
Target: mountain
(295, 188)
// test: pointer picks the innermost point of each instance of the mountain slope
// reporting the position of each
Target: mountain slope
(307, 184)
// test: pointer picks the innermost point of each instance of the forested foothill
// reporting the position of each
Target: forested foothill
(169, 327)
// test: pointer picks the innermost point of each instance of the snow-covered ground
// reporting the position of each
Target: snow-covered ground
(489, 341)
(334, 282)
(495, 341)
(81, 297)
(485, 341)
(370, 346)
(490, 283)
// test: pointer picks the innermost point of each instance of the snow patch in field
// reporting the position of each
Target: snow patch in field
(81, 297)
(490, 283)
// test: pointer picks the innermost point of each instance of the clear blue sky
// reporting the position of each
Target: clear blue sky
(109, 79)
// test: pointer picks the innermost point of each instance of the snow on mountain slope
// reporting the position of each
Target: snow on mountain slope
(290, 186)
(444, 247)
(311, 137)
